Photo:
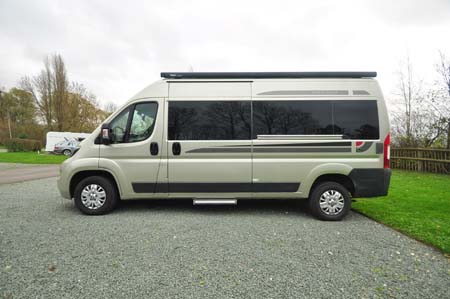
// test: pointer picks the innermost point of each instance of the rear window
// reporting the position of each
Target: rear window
(356, 119)
(352, 119)
(292, 118)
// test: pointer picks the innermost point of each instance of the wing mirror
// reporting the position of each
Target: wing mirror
(105, 134)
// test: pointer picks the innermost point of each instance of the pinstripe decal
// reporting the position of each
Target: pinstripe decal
(347, 143)
(364, 147)
(221, 150)
(271, 150)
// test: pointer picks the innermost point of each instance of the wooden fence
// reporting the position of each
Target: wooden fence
(421, 159)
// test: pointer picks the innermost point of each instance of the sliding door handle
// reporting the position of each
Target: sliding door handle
(176, 148)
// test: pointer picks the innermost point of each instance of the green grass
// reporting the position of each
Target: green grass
(31, 158)
(418, 205)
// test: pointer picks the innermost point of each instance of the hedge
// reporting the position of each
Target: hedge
(23, 145)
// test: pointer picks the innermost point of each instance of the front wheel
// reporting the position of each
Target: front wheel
(330, 201)
(67, 153)
(95, 195)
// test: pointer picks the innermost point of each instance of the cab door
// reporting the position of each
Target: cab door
(134, 154)
(209, 139)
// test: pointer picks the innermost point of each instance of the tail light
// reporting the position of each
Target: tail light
(387, 151)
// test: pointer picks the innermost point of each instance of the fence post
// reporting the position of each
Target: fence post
(419, 162)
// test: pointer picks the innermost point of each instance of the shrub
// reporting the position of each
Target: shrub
(23, 136)
(23, 145)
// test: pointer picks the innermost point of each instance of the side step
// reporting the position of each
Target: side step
(221, 201)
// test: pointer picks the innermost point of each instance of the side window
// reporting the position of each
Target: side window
(139, 127)
(292, 118)
(356, 119)
(209, 120)
(119, 126)
(143, 121)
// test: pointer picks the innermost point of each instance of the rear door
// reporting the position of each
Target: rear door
(209, 139)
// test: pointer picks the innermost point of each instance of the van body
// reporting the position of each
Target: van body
(214, 136)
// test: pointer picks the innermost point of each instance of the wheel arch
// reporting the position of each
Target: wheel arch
(334, 172)
(77, 177)
(342, 179)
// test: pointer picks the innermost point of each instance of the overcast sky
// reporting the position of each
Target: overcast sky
(116, 48)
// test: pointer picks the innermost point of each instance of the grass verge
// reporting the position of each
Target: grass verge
(418, 205)
(31, 158)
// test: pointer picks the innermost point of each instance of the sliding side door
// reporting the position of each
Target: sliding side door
(209, 139)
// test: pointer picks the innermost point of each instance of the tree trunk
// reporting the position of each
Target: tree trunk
(448, 135)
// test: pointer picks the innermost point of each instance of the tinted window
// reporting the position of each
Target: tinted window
(292, 118)
(143, 121)
(119, 126)
(356, 119)
(140, 127)
(209, 120)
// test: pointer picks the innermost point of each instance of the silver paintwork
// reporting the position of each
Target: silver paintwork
(331, 202)
(66, 147)
(93, 196)
(132, 162)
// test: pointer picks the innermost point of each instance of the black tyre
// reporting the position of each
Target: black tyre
(95, 195)
(67, 153)
(330, 201)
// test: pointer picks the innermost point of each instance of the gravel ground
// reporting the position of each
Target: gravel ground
(162, 249)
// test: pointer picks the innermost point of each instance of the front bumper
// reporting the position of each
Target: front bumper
(370, 182)
(63, 190)
(63, 181)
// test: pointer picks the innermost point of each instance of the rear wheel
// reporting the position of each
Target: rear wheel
(330, 201)
(95, 195)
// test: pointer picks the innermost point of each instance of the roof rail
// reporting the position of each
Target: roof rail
(265, 75)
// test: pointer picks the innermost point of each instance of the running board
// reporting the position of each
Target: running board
(215, 201)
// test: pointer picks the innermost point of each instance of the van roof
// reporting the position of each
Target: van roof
(265, 75)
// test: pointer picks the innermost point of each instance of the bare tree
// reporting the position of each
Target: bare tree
(50, 91)
(60, 89)
(63, 105)
(410, 92)
(82, 110)
(422, 117)
(110, 107)
(442, 94)
(41, 89)
(410, 99)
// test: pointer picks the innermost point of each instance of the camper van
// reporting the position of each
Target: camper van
(216, 138)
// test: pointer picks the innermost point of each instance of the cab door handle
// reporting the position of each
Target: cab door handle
(154, 148)
(176, 148)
